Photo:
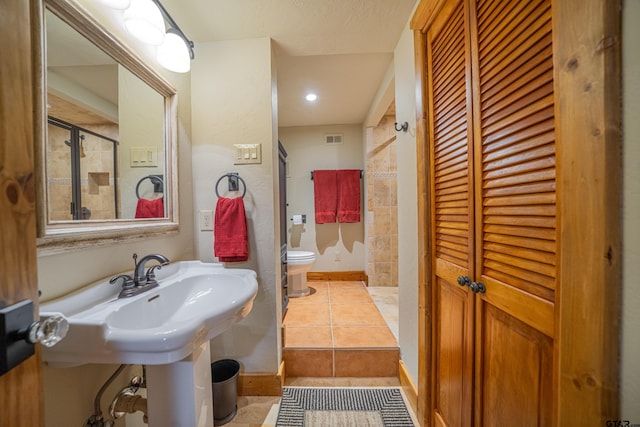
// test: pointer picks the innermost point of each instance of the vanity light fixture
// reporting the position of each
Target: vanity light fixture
(117, 4)
(176, 53)
(144, 21)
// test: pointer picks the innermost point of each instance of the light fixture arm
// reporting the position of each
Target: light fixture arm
(175, 26)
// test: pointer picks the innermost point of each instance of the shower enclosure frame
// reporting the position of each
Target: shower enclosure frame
(76, 178)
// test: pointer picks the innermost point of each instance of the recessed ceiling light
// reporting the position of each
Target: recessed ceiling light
(311, 97)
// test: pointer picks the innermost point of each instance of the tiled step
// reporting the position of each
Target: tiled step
(338, 331)
(341, 362)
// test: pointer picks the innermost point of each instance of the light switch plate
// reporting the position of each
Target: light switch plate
(143, 157)
(248, 154)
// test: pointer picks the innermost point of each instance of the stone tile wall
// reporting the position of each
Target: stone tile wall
(382, 205)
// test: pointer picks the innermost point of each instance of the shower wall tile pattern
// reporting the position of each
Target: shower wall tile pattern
(382, 205)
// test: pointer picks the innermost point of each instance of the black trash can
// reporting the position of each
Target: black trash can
(224, 374)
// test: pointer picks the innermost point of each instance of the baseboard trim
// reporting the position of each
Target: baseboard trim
(261, 384)
(348, 276)
(408, 386)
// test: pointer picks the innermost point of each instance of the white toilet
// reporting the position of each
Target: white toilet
(298, 263)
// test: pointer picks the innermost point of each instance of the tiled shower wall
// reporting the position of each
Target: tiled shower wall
(382, 204)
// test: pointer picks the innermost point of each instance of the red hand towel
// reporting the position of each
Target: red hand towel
(325, 195)
(150, 208)
(230, 231)
(348, 195)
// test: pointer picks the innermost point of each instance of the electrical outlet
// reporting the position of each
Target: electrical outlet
(206, 220)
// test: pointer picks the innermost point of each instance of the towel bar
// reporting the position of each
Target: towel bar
(361, 174)
(156, 180)
(233, 183)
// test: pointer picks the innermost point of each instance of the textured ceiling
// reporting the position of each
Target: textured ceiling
(339, 48)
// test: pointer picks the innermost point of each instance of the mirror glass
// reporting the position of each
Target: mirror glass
(105, 134)
(108, 160)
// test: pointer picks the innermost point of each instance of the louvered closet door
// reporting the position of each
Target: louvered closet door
(452, 225)
(515, 212)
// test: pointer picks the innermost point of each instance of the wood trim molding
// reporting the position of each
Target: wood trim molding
(346, 276)
(409, 388)
(424, 237)
(587, 76)
(261, 384)
(59, 238)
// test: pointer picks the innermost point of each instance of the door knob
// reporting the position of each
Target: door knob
(477, 287)
(464, 280)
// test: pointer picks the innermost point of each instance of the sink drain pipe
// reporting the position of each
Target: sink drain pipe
(127, 401)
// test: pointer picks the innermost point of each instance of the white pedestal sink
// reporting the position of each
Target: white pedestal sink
(167, 328)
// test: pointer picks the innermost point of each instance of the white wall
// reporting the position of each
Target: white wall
(630, 368)
(338, 246)
(69, 392)
(407, 203)
(140, 125)
(232, 88)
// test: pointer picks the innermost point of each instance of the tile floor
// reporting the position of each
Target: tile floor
(338, 331)
(386, 299)
(319, 322)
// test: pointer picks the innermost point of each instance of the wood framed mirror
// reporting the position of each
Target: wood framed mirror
(106, 165)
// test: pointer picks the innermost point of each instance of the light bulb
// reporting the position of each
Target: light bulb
(117, 4)
(173, 54)
(311, 97)
(144, 21)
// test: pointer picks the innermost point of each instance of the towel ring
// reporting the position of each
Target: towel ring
(231, 176)
(157, 182)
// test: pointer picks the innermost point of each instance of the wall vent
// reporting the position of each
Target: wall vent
(333, 139)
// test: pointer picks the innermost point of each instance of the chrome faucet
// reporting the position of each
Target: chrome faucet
(148, 279)
(141, 281)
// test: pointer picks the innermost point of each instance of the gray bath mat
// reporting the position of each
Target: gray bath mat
(343, 407)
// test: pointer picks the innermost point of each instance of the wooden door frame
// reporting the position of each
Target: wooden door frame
(587, 79)
(21, 396)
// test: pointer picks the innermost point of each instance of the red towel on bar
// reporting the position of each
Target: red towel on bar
(230, 231)
(348, 195)
(150, 208)
(325, 195)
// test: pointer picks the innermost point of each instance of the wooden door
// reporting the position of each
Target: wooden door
(21, 387)
(515, 190)
(493, 221)
(452, 226)
(543, 234)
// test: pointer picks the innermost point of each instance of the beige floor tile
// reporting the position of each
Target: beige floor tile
(307, 315)
(319, 293)
(350, 295)
(363, 337)
(308, 337)
(356, 315)
(344, 284)
(254, 411)
(367, 382)
(309, 382)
